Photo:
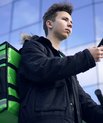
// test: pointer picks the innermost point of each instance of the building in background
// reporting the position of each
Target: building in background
(25, 16)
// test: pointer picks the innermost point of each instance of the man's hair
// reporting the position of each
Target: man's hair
(51, 13)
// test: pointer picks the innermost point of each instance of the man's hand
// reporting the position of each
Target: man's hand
(96, 52)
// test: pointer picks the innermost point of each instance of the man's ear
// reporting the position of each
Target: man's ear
(49, 24)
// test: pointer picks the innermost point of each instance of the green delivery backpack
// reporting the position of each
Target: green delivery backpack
(9, 62)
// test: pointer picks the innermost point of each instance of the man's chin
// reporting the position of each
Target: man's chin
(69, 34)
(64, 37)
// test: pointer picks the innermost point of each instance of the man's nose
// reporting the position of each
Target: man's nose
(69, 24)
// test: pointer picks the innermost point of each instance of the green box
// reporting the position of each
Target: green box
(9, 63)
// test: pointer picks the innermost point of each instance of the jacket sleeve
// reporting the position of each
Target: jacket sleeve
(38, 67)
(91, 112)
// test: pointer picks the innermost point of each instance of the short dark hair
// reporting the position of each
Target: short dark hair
(51, 13)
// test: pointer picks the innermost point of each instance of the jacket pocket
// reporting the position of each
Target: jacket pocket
(52, 99)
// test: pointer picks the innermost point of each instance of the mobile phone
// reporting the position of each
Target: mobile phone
(101, 43)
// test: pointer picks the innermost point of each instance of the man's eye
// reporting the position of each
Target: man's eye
(66, 19)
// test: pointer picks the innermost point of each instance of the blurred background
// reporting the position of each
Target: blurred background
(25, 16)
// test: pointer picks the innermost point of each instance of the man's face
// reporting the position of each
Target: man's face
(62, 26)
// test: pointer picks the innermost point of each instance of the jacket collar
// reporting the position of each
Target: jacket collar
(46, 42)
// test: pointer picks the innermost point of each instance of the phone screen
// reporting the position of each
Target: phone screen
(101, 43)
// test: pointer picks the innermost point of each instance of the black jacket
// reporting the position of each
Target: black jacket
(48, 88)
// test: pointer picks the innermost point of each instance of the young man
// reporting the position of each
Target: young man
(48, 87)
